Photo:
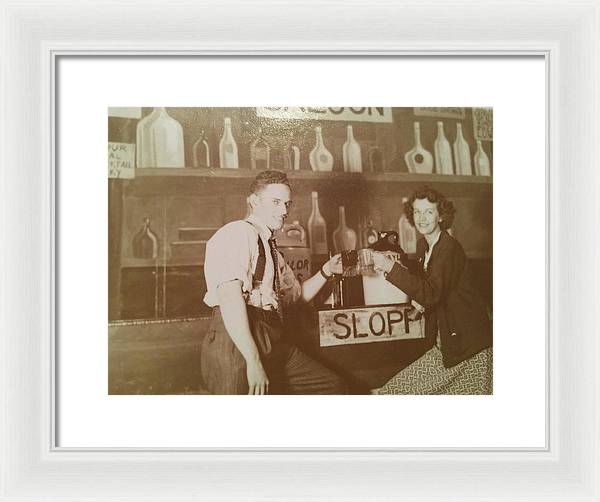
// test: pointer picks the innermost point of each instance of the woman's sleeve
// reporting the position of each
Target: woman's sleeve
(429, 289)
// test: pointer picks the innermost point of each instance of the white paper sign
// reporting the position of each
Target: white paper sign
(356, 113)
(121, 160)
(125, 112)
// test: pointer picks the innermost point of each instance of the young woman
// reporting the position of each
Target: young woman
(457, 327)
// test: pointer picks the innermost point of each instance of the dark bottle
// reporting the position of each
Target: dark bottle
(145, 242)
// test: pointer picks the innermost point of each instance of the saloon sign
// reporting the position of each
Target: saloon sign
(345, 113)
(368, 324)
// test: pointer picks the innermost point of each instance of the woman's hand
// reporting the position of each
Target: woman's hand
(381, 262)
(334, 265)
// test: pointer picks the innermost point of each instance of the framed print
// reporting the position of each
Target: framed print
(64, 436)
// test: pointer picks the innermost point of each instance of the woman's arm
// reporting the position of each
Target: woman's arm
(427, 289)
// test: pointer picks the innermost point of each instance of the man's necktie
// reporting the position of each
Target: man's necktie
(276, 285)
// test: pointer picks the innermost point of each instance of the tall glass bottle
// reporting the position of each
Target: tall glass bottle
(320, 158)
(462, 153)
(344, 238)
(145, 242)
(260, 152)
(201, 152)
(407, 233)
(317, 228)
(351, 153)
(418, 160)
(442, 152)
(482, 161)
(228, 150)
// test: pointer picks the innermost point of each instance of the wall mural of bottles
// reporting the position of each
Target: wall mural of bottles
(324, 219)
(236, 138)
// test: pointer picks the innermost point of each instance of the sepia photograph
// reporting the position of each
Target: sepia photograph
(300, 250)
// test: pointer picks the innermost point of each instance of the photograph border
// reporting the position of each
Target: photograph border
(35, 35)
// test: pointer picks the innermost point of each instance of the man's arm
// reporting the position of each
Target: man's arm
(235, 318)
(312, 285)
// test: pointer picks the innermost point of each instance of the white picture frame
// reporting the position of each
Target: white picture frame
(567, 34)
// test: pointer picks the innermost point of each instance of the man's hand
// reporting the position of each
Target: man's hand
(258, 382)
(334, 265)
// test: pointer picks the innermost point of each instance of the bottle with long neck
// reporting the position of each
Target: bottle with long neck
(442, 152)
(260, 152)
(406, 232)
(228, 150)
(482, 161)
(317, 228)
(462, 153)
(351, 153)
(320, 158)
(418, 160)
(201, 152)
(344, 238)
(145, 242)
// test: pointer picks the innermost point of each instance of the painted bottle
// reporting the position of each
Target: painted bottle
(317, 228)
(462, 153)
(351, 153)
(320, 158)
(228, 150)
(481, 161)
(260, 152)
(145, 242)
(143, 141)
(418, 160)
(376, 159)
(442, 152)
(166, 140)
(159, 141)
(291, 156)
(344, 238)
(370, 235)
(201, 152)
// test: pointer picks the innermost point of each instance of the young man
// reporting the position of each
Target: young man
(248, 285)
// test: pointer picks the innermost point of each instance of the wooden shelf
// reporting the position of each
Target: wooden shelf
(159, 264)
(243, 174)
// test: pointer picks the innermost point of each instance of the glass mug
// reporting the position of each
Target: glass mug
(365, 262)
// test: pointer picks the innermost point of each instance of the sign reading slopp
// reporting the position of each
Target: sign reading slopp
(352, 113)
(367, 324)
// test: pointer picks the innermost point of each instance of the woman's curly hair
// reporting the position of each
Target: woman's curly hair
(444, 206)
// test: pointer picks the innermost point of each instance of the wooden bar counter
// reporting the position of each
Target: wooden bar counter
(163, 356)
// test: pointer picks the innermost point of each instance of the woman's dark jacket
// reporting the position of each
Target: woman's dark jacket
(451, 301)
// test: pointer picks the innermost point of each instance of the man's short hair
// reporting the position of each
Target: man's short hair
(268, 178)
